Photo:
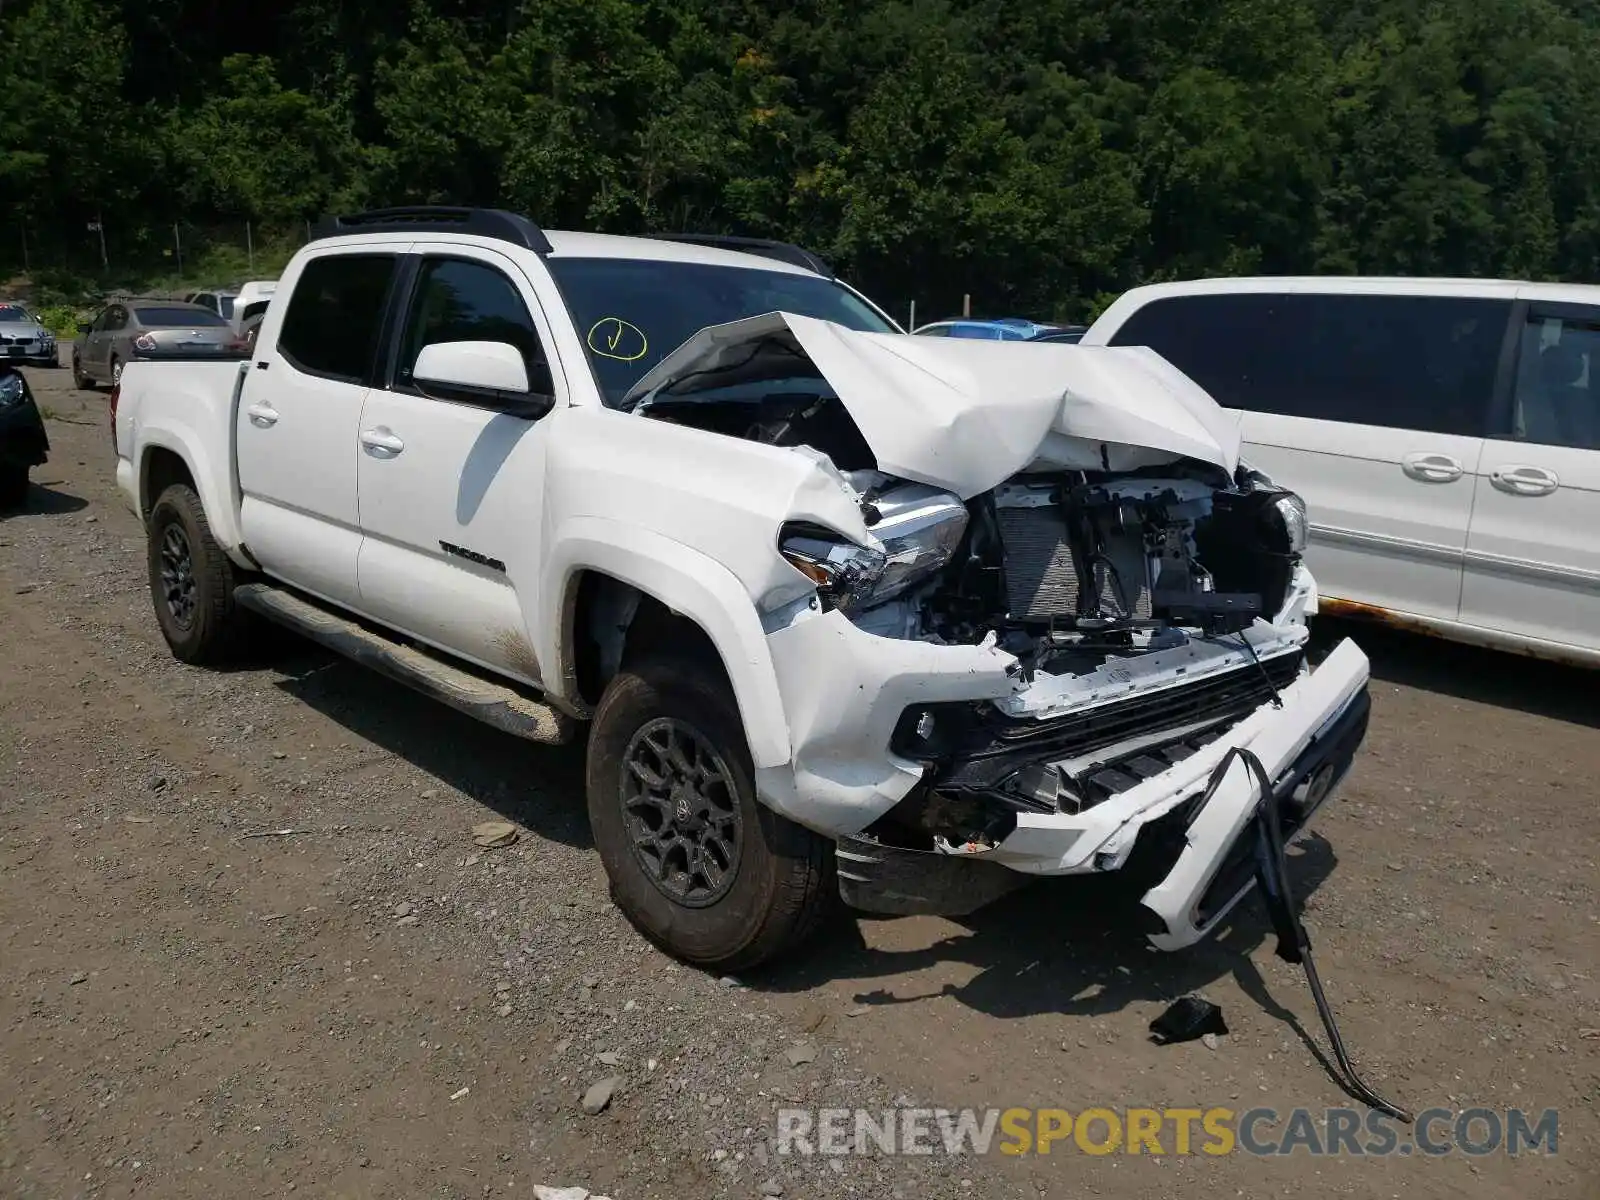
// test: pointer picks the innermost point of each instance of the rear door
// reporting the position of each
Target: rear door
(1372, 406)
(298, 419)
(1533, 554)
(450, 489)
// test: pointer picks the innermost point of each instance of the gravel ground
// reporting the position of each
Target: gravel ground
(362, 1002)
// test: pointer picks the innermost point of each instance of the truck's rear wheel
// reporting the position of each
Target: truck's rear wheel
(695, 861)
(191, 581)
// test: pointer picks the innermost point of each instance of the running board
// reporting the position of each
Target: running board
(488, 700)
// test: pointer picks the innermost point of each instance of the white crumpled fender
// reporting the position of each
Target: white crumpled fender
(966, 415)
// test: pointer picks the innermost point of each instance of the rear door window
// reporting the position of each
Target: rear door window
(335, 315)
(1426, 363)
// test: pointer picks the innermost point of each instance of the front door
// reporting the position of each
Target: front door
(450, 489)
(97, 353)
(1533, 554)
(298, 420)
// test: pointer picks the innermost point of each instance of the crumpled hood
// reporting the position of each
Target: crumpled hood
(967, 415)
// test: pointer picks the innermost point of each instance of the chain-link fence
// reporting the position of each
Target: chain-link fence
(53, 264)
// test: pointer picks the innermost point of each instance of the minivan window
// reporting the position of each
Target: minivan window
(1426, 363)
(335, 314)
(1557, 398)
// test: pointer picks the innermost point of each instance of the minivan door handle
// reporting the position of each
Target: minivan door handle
(1432, 468)
(381, 442)
(1525, 481)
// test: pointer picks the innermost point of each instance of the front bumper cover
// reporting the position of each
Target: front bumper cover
(1305, 741)
(32, 354)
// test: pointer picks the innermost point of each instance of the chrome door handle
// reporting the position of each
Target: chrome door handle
(1525, 481)
(263, 416)
(1432, 468)
(381, 442)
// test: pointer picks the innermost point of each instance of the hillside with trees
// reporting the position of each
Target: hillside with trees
(1040, 154)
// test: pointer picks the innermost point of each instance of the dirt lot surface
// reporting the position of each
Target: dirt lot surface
(370, 1005)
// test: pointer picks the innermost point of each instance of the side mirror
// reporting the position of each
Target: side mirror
(83, 327)
(488, 373)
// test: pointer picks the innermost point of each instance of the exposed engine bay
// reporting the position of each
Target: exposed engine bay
(1063, 568)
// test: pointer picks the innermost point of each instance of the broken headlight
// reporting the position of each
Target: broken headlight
(1288, 513)
(918, 528)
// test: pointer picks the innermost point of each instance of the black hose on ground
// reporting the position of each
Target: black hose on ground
(1272, 872)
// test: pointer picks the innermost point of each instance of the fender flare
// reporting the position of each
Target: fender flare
(688, 583)
(164, 433)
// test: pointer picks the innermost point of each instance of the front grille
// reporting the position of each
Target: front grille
(996, 746)
(1041, 568)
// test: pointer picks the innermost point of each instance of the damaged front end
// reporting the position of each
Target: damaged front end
(1033, 651)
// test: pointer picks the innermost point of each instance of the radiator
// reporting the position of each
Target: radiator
(1042, 575)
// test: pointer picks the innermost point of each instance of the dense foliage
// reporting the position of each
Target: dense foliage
(1040, 154)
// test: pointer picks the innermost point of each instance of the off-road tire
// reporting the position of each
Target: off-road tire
(115, 367)
(784, 883)
(217, 630)
(13, 486)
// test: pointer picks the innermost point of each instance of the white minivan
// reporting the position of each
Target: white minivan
(1445, 435)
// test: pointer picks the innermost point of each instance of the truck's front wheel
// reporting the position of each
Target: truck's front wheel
(191, 581)
(695, 861)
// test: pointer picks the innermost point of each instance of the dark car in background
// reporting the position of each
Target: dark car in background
(23, 338)
(127, 328)
(23, 443)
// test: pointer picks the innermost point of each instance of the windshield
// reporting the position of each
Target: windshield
(11, 313)
(634, 312)
(168, 318)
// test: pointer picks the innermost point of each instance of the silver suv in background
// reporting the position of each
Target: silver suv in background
(219, 302)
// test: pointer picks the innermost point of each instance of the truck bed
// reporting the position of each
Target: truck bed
(184, 403)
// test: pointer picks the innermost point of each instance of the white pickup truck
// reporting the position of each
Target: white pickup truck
(844, 611)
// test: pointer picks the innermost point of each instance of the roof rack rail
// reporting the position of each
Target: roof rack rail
(435, 218)
(794, 255)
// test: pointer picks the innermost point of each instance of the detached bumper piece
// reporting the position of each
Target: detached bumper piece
(1218, 831)
(1296, 796)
